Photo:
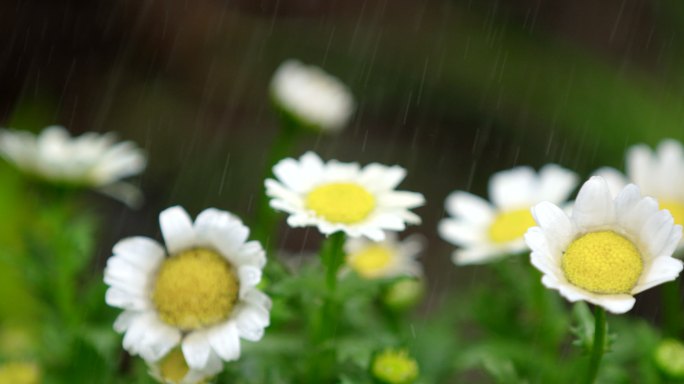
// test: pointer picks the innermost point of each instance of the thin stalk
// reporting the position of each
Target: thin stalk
(598, 345)
(331, 257)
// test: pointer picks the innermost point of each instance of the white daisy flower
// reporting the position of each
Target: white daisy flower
(311, 96)
(658, 173)
(486, 232)
(608, 249)
(337, 196)
(92, 159)
(173, 369)
(202, 296)
(384, 259)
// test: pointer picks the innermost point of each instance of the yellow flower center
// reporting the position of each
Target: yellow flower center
(173, 366)
(19, 373)
(346, 203)
(194, 289)
(602, 262)
(371, 261)
(395, 367)
(511, 225)
(676, 210)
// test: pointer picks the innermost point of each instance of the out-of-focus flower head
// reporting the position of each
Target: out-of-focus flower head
(394, 366)
(404, 293)
(20, 372)
(669, 357)
(173, 369)
(485, 232)
(311, 97)
(658, 174)
(90, 160)
(384, 259)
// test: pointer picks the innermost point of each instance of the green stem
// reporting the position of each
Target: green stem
(598, 345)
(332, 256)
(672, 308)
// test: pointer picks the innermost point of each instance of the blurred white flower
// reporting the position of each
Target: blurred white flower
(202, 296)
(486, 232)
(384, 259)
(608, 249)
(337, 196)
(659, 174)
(173, 369)
(91, 160)
(312, 97)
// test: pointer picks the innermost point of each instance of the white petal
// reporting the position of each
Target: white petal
(669, 174)
(388, 221)
(402, 199)
(469, 207)
(375, 234)
(222, 231)
(594, 206)
(141, 252)
(461, 233)
(656, 232)
(632, 220)
(514, 188)
(640, 166)
(556, 183)
(196, 349)
(660, 270)
(225, 340)
(615, 179)
(276, 190)
(477, 255)
(557, 226)
(613, 303)
(626, 200)
(176, 226)
(134, 283)
(124, 320)
(672, 242)
(121, 299)
(135, 335)
(158, 340)
(338, 171)
(381, 177)
(249, 276)
(312, 168)
(251, 321)
(258, 298)
(252, 254)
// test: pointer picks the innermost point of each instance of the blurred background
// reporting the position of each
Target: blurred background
(451, 90)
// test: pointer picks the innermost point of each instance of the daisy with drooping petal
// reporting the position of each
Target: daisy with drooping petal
(658, 173)
(173, 369)
(91, 160)
(608, 250)
(201, 296)
(312, 97)
(337, 196)
(384, 259)
(486, 232)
